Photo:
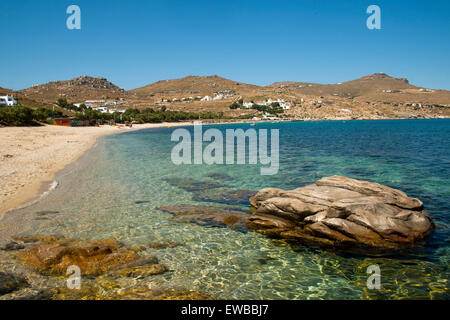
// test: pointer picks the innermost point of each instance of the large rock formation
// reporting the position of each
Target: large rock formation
(340, 211)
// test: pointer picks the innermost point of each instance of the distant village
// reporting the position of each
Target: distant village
(103, 106)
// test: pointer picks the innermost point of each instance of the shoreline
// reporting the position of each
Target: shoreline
(31, 157)
(33, 177)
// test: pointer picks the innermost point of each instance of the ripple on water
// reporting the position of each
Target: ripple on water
(115, 190)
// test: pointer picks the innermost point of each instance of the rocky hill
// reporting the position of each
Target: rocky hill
(376, 96)
(376, 87)
(75, 90)
(363, 86)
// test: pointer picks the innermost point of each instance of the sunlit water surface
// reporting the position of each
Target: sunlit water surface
(114, 192)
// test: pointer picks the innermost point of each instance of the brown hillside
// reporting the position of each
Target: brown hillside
(363, 86)
(192, 85)
(376, 87)
(4, 91)
(75, 90)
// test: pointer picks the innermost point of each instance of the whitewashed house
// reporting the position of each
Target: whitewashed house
(101, 109)
(206, 98)
(8, 101)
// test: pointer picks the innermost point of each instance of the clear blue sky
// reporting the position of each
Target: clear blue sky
(136, 42)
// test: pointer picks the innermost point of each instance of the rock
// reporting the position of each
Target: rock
(39, 238)
(230, 197)
(209, 216)
(93, 257)
(340, 211)
(30, 294)
(219, 176)
(164, 245)
(190, 184)
(92, 291)
(10, 283)
(145, 270)
(45, 212)
(144, 293)
(10, 245)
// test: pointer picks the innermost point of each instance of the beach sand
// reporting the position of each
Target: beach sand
(31, 156)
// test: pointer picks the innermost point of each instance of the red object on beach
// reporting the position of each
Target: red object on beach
(62, 122)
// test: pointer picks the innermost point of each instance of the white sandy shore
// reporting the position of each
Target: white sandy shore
(31, 156)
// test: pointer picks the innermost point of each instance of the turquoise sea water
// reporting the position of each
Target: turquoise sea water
(116, 189)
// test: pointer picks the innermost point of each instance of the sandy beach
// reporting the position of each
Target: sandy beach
(31, 156)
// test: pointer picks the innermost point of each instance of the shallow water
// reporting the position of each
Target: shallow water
(114, 192)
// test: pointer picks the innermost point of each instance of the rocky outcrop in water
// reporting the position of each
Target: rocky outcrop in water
(224, 196)
(93, 257)
(339, 211)
(208, 216)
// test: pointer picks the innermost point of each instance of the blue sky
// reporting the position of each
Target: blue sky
(136, 42)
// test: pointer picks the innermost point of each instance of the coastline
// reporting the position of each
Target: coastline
(32, 156)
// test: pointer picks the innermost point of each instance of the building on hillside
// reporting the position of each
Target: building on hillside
(206, 98)
(95, 101)
(101, 109)
(8, 101)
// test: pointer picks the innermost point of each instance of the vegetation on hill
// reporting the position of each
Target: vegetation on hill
(156, 116)
(20, 115)
(273, 108)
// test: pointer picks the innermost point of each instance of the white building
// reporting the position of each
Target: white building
(95, 101)
(7, 101)
(206, 98)
(101, 109)
(116, 110)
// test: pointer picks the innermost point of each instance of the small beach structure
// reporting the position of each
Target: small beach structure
(62, 122)
(70, 122)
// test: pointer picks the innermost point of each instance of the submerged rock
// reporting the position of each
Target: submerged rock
(93, 257)
(139, 271)
(209, 216)
(94, 292)
(10, 245)
(190, 184)
(232, 197)
(10, 283)
(163, 245)
(141, 201)
(45, 212)
(219, 176)
(144, 293)
(339, 211)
